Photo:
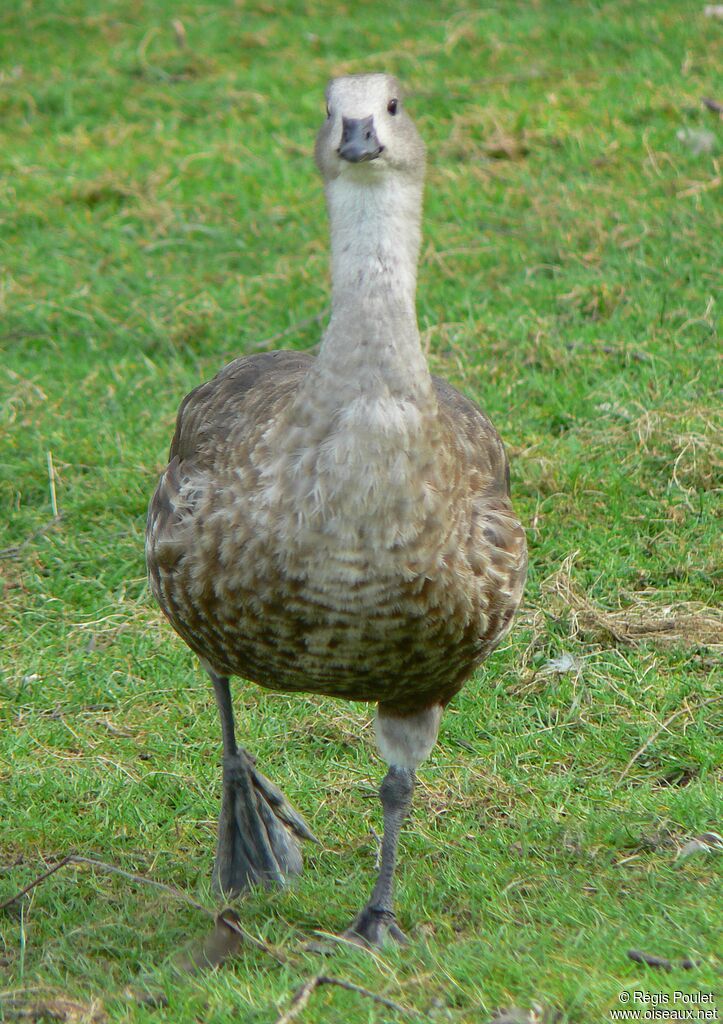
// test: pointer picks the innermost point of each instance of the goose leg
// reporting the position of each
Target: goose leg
(257, 827)
(404, 741)
(377, 920)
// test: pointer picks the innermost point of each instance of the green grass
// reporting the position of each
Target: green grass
(160, 215)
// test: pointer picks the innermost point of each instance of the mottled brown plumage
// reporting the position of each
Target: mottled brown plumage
(408, 638)
(340, 525)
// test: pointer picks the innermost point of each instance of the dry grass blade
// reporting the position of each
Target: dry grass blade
(51, 483)
(661, 728)
(690, 623)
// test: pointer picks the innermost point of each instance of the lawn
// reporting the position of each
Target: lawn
(160, 215)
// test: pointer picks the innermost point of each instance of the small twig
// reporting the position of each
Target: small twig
(14, 550)
(51, 482)
(654, 735)
(36, 881)
(298, 326)
(304, 994)
(299, 1001)
(713, 105)
(651, 960)
(143, 880)
(73, 858)
(229, 920)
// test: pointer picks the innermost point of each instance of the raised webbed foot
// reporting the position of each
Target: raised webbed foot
(257, 830)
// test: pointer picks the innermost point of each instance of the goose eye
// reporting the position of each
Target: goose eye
(393, 106)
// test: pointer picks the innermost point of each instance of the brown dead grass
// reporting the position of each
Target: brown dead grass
(645, 619)
(28, 1008)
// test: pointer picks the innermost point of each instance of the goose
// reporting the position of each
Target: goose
(339, 525)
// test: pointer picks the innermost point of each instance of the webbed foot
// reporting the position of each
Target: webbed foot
(257, 830)
(375, 927)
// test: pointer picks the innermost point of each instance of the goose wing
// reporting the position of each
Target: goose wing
(241, 397)
(495, 544)
(217, 425)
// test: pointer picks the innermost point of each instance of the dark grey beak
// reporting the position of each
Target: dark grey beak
(359, 140)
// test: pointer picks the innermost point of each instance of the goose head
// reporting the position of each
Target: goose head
(367, 132)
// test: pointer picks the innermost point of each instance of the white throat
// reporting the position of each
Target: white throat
(375, 236)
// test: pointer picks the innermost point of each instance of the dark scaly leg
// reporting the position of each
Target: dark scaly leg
(257, 827)
(377, 920)
(404, 741)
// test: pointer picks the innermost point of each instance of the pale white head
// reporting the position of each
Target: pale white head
(367, 132)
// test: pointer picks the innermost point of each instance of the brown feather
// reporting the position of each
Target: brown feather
(408, 639)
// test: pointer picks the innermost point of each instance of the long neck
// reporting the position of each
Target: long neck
(372, 340)
(357, 442)
(375, 236)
